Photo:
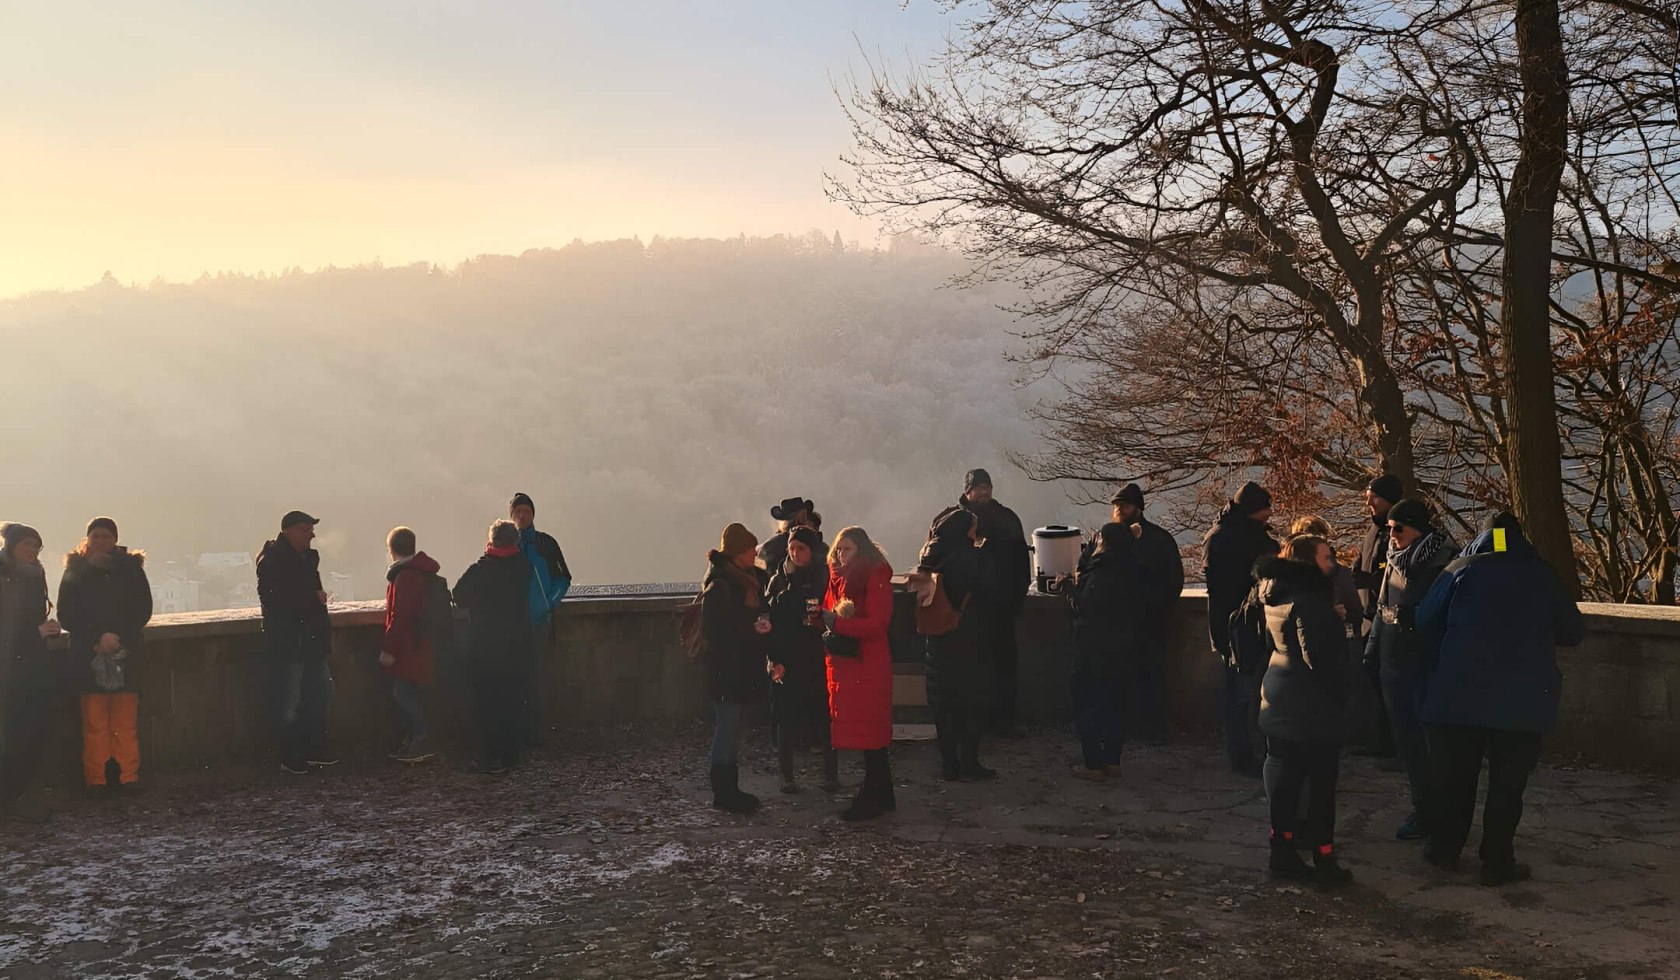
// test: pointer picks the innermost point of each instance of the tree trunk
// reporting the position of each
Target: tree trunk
(1533, 461)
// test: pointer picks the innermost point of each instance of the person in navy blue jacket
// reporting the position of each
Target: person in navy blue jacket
(1489, 628)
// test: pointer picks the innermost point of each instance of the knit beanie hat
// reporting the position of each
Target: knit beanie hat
(976, 478)
(1502, 519)
(1252, 499)
(1129, 494)
(1389, 487)
(736, 539)
(807, 537)
(1411, 513)
(15, 534)
(521, 500)
(104, 522)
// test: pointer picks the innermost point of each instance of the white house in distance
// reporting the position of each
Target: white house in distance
(175, 590)
(224, 561)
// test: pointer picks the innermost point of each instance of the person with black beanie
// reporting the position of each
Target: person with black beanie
(798, 667)
(1237, 540)
(958, 683)
(1160, 569)
(1107, 603)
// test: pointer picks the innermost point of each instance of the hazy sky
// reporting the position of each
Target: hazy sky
(171, 138)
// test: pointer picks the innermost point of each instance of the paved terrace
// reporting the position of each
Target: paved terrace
(602, 859)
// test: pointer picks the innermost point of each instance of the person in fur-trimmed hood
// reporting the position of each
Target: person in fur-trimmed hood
(735, 620)
(1417, 552)
(105, 602)
(26, 671)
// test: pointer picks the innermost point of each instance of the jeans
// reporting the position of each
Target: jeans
(302, 690)
(28, 695)
(1457, 752)
(1242, 715)
(1403, 688)
(1292, 767)
(730, 718)
(406, 694)
(1100, 719)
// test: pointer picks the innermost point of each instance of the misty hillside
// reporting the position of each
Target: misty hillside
(643, 394)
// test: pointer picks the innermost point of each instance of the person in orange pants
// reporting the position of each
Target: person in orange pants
(104, 601)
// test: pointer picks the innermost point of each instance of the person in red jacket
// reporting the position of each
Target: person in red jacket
(857, 610)
(406, 650)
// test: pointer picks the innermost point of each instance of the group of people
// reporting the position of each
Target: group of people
(805, 624)
(1456, 646)
(105, 602)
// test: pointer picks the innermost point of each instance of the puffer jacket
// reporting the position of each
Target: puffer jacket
(95, 599)
(735, 651)
(1304, 696)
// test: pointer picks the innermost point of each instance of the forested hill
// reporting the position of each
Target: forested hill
(644, 394)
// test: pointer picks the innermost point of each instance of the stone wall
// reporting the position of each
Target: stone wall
(616, 661)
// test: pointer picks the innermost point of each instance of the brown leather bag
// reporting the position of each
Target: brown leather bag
(935, 616)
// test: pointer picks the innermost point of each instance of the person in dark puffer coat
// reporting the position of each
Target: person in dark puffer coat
(1489, 630)
(105, 602)
(735, 622)
(1108, 604)
(958, 679)
(799, 692)
(496, 593)
(1303, 702)
(1237, 540)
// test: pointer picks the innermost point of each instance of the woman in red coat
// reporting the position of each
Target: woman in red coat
(858, 610)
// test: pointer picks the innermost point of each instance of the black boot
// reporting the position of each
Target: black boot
(831, 771)
(1326, 871)
(875, 798)
(969, 766)
(789, 785)
(1285, 863)
(950, 766)
(726, 791)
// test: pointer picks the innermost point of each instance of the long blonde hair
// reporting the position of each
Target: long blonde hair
(868, 552)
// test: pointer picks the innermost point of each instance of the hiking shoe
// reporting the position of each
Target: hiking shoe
(1112, 771)
(416, 750)
(397, 753)
(975, 772)
(321, 760)
(488, 767)
(1494, 875)
(1446, 862)
(1326, 871)
(1287, 865)
(789, 786)
(294, 767)
(1410, 829)
(1088, 775)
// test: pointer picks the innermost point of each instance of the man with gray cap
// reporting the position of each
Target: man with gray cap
(297, 633)
(1008, 560)
(1161, 581)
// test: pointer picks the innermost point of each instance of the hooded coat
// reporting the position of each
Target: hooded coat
(801, 699)
(295, 620)
(407, 591)
(956, 670)
(1107, 606)
(731, 600)
(95, 599)
(1304, 693)
(1489, 629)
(495, 591)
(1231, 547)
(23, 608)
(860, 688)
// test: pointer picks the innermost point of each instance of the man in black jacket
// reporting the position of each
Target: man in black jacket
(496, 593)
(1383, 493)
(1161, 582)
(1008, 559)
(1235, 542)
(551, 579)
(297, 633)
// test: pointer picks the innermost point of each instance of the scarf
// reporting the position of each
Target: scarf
(1422, 550)
(507, 552)
(746, 579)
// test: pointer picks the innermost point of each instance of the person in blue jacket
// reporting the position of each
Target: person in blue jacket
(551, 579)
(1489, 629)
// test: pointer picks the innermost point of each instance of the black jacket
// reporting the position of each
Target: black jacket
(735, 652)
(23, 608)
(1160, 568)
(1304, 695)
(956, 671)
(773, 553)
(802, 696)
(1373, 562)
(95, 600)
(1107, 604)
(295, 619)
(1231, 548)
(1405, 582)
(496, 593)
(1005, 550)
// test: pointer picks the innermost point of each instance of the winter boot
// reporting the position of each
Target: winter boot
(785, 750)
(1285, 863)
(970, 767)
(875, 798)
(950, 765)
(1495, 875)
(831, 771)
(1325, 869)
(726, 791)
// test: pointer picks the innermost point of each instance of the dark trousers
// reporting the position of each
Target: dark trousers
(1377, 732)
(1146, 690)
(1292, 767)
(1099, 717)
(300, 691)
(1242, 716)
(1403, 689)
(530, 684)
(497, 689)
(1457, 751)
(29, 698)
(1003, 649)
(958, 722)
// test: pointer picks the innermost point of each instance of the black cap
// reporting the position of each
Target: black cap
(1389, 488)
(1411, 513)
(1252, 498)
(1502, 519)
(786, 510)
(296, 517)
(521, 500)
(1128, 494)
(976, 478)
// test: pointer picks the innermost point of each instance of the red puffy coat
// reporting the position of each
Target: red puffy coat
(860, 689)
(405, 610)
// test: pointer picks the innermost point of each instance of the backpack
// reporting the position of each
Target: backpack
(689, 634)
(437, 619)
(935, 616)
(1246, 629)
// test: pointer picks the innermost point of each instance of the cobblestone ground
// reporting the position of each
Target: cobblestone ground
(602, 859)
